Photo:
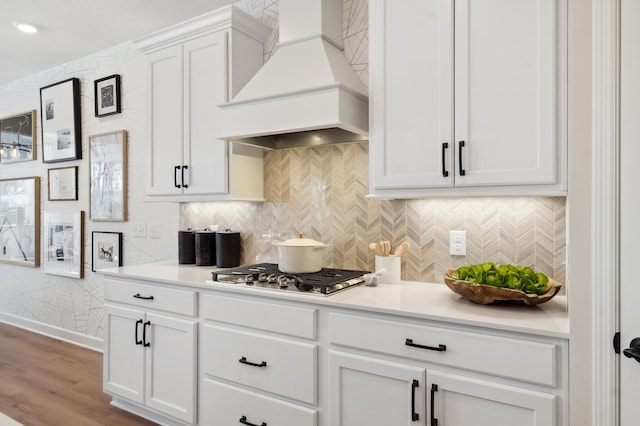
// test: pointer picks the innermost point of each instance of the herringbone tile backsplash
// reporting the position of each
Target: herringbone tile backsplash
(321, 192)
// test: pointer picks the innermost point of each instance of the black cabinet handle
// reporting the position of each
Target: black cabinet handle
(634, 349)
(138, 341)
(144, 334)
(440, 348)
(138, 296)
(243, 360)
(175, 176)
(434, 389)
(414, 416)
(183, 169)
(244, 421)
(460, 146)
(445, 172)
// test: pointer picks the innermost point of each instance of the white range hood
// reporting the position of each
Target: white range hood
(307, 93)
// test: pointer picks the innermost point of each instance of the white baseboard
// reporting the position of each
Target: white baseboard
(69, 336)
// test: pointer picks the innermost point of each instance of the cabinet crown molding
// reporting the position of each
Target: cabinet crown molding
(229, 17)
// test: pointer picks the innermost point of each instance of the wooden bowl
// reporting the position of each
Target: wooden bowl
(485, 294)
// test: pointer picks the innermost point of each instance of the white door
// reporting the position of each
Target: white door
(205, 87)
(630, 209)
(373, 392)
(411, 96)
(461, 401)
(165, 107)
(123, 368)
(171, 366)
(505, 92)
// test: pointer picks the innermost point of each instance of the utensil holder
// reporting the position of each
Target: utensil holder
(392, 266)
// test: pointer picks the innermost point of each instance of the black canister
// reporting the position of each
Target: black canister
(186, 247)
(205, 248)
(227, 249)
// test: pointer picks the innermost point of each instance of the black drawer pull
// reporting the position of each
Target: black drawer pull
(244, 421)
(138, 342)
(175, 176)
(138, 296)
(183, 169)
(434, 389)
(144, 334)
(440, 348)
(243, 360)
(414, 416)
(445, 172)
(460, 146)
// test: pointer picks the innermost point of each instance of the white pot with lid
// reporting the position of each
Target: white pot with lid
(300, 255)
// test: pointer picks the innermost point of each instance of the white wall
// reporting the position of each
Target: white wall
(72, 308)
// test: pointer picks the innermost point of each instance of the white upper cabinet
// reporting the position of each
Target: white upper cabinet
(466, 97)
(192, 68)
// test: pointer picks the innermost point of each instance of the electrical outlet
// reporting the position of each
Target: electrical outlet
(458, 243)
(140, 230)
(154, 230)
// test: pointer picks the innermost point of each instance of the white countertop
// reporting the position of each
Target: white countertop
(409, 298)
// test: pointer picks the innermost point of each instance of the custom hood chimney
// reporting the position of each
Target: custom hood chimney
(307, 93)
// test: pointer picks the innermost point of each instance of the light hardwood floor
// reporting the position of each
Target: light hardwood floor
(47, 382)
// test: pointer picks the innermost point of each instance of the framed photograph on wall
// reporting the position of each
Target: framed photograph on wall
(60, 121)
(20, 221)
(63, 184)
(106, 250)
(63, 234)
(18, 137)
(106, 92)
(108, 176)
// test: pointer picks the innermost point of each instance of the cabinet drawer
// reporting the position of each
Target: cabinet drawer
(182, 302)
(224, 405)
(524, 360)
(279, 318)
(275, 365)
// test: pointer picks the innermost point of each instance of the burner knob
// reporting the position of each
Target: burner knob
(283, 282)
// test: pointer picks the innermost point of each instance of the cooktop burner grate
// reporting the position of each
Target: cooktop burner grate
(267, 275)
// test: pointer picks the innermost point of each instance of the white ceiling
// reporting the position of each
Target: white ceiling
(70, 29)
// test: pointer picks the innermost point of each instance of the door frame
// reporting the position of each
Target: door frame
(605, 209)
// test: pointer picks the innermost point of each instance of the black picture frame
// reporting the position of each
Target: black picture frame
(106, 250)
(106, 95)
(60, 121)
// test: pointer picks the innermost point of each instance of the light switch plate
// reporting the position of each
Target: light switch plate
(154, 230)
(458, 243)
(140, 230)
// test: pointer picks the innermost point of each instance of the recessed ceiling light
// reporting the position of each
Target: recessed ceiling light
(25, 28)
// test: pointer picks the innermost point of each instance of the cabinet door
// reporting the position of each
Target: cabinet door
(123, 368)
(372, 392)
(505, 92)
(411, 67)
(462, 401)
(171, 366)
(165, 117)
(205, 87)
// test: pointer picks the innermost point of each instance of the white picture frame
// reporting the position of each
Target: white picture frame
(63, 245)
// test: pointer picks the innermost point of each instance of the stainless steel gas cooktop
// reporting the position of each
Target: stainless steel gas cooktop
(325, 282)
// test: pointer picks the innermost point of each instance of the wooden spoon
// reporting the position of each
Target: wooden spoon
(401, 249)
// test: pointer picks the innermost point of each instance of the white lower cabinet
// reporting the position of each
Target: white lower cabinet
(374, 392)
(228, 405)
(456, 400)
(258, 364)
(384, 371)
(149, 356)
(185, 356)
